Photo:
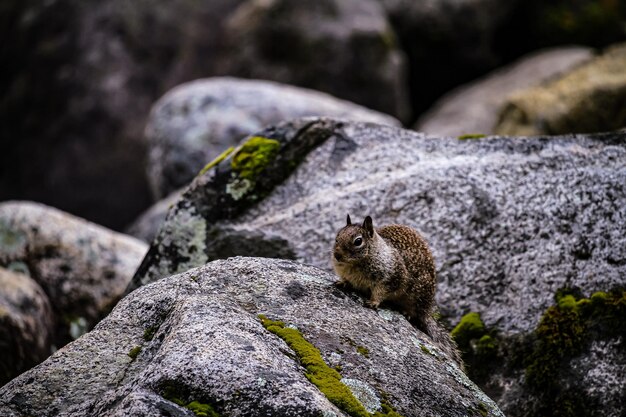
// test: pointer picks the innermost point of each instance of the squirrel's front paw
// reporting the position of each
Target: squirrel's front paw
(372, 304)
(343, 285)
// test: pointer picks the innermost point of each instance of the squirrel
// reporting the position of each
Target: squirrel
(392, 264)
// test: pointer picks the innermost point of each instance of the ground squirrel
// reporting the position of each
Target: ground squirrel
(391, 264)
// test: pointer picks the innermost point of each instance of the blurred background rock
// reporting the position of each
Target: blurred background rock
(79, 77)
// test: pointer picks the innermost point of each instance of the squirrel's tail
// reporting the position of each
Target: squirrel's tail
(442, 339)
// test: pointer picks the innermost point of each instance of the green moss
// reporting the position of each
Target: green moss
(148, 334)
(425, 349)
(172, 393)
(253, 156)
(470, 327)
(362, 350)
(326, 379)
(564, 332)
(486, 345)
(134, 352)
(202, 410)
(482, 409)
(217, 160)
(471, 136)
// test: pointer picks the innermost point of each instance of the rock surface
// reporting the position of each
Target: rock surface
(196, 339)
(80, 77)
(343, 47)
(147, 225)
(587, 99)
(474, 108)
(82, 268)
(510, 221)
(448, 42)
(197, 121)
(25, 324)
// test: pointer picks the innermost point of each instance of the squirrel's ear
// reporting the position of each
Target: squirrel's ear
(367, 224)
(348, 220)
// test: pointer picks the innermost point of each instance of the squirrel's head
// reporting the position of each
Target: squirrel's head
(353, 242)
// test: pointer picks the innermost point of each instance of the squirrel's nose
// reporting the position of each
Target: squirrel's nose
(338, 256)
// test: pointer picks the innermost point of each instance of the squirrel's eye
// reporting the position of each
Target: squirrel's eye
(358, 241)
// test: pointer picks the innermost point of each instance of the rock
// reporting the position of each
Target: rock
(79, 82)
(473, 108)
(343, 47)
(448, 42)
(83, 268)
(197, 121)
(586, 99)
(146, 226)
(561, 22)
(197, 341)
(511, 221)
(25, 324)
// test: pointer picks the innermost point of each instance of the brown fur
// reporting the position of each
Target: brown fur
(392, 264)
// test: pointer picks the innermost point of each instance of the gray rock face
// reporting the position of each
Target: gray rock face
(510, 221)
(346, 48)
(25, 324)
(78, 90)
(197, 121)
(82, 268)
(474, 108)
(196, 337)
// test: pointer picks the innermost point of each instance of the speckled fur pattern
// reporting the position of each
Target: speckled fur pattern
(393, 265)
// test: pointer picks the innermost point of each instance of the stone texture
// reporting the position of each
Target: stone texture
(474, 108)
(343, 47)
(200, 339)
(83, 268)
(448, 42)
(197, 121)
(26, 324)
(510, 220)
(80, 77)
(587, 99)
(147, 225)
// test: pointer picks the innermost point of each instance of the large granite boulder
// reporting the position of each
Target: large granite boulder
(26, 324)
(343, 47)
(513, 222)
(197, 121)
(589, 98)
(448, 42)
(247, 337)
(474, 108)
(79, 78)
(82, 268)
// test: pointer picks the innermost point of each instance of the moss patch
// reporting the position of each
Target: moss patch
(471, 136)
(326, 379)
(217, 160)
(564, 328)
(201, 409)
(253, 156)
(148, 334)
(478, 345)
(171, 393)
(362, 350)
(134, 352)
(565, 331)
(470, 327)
